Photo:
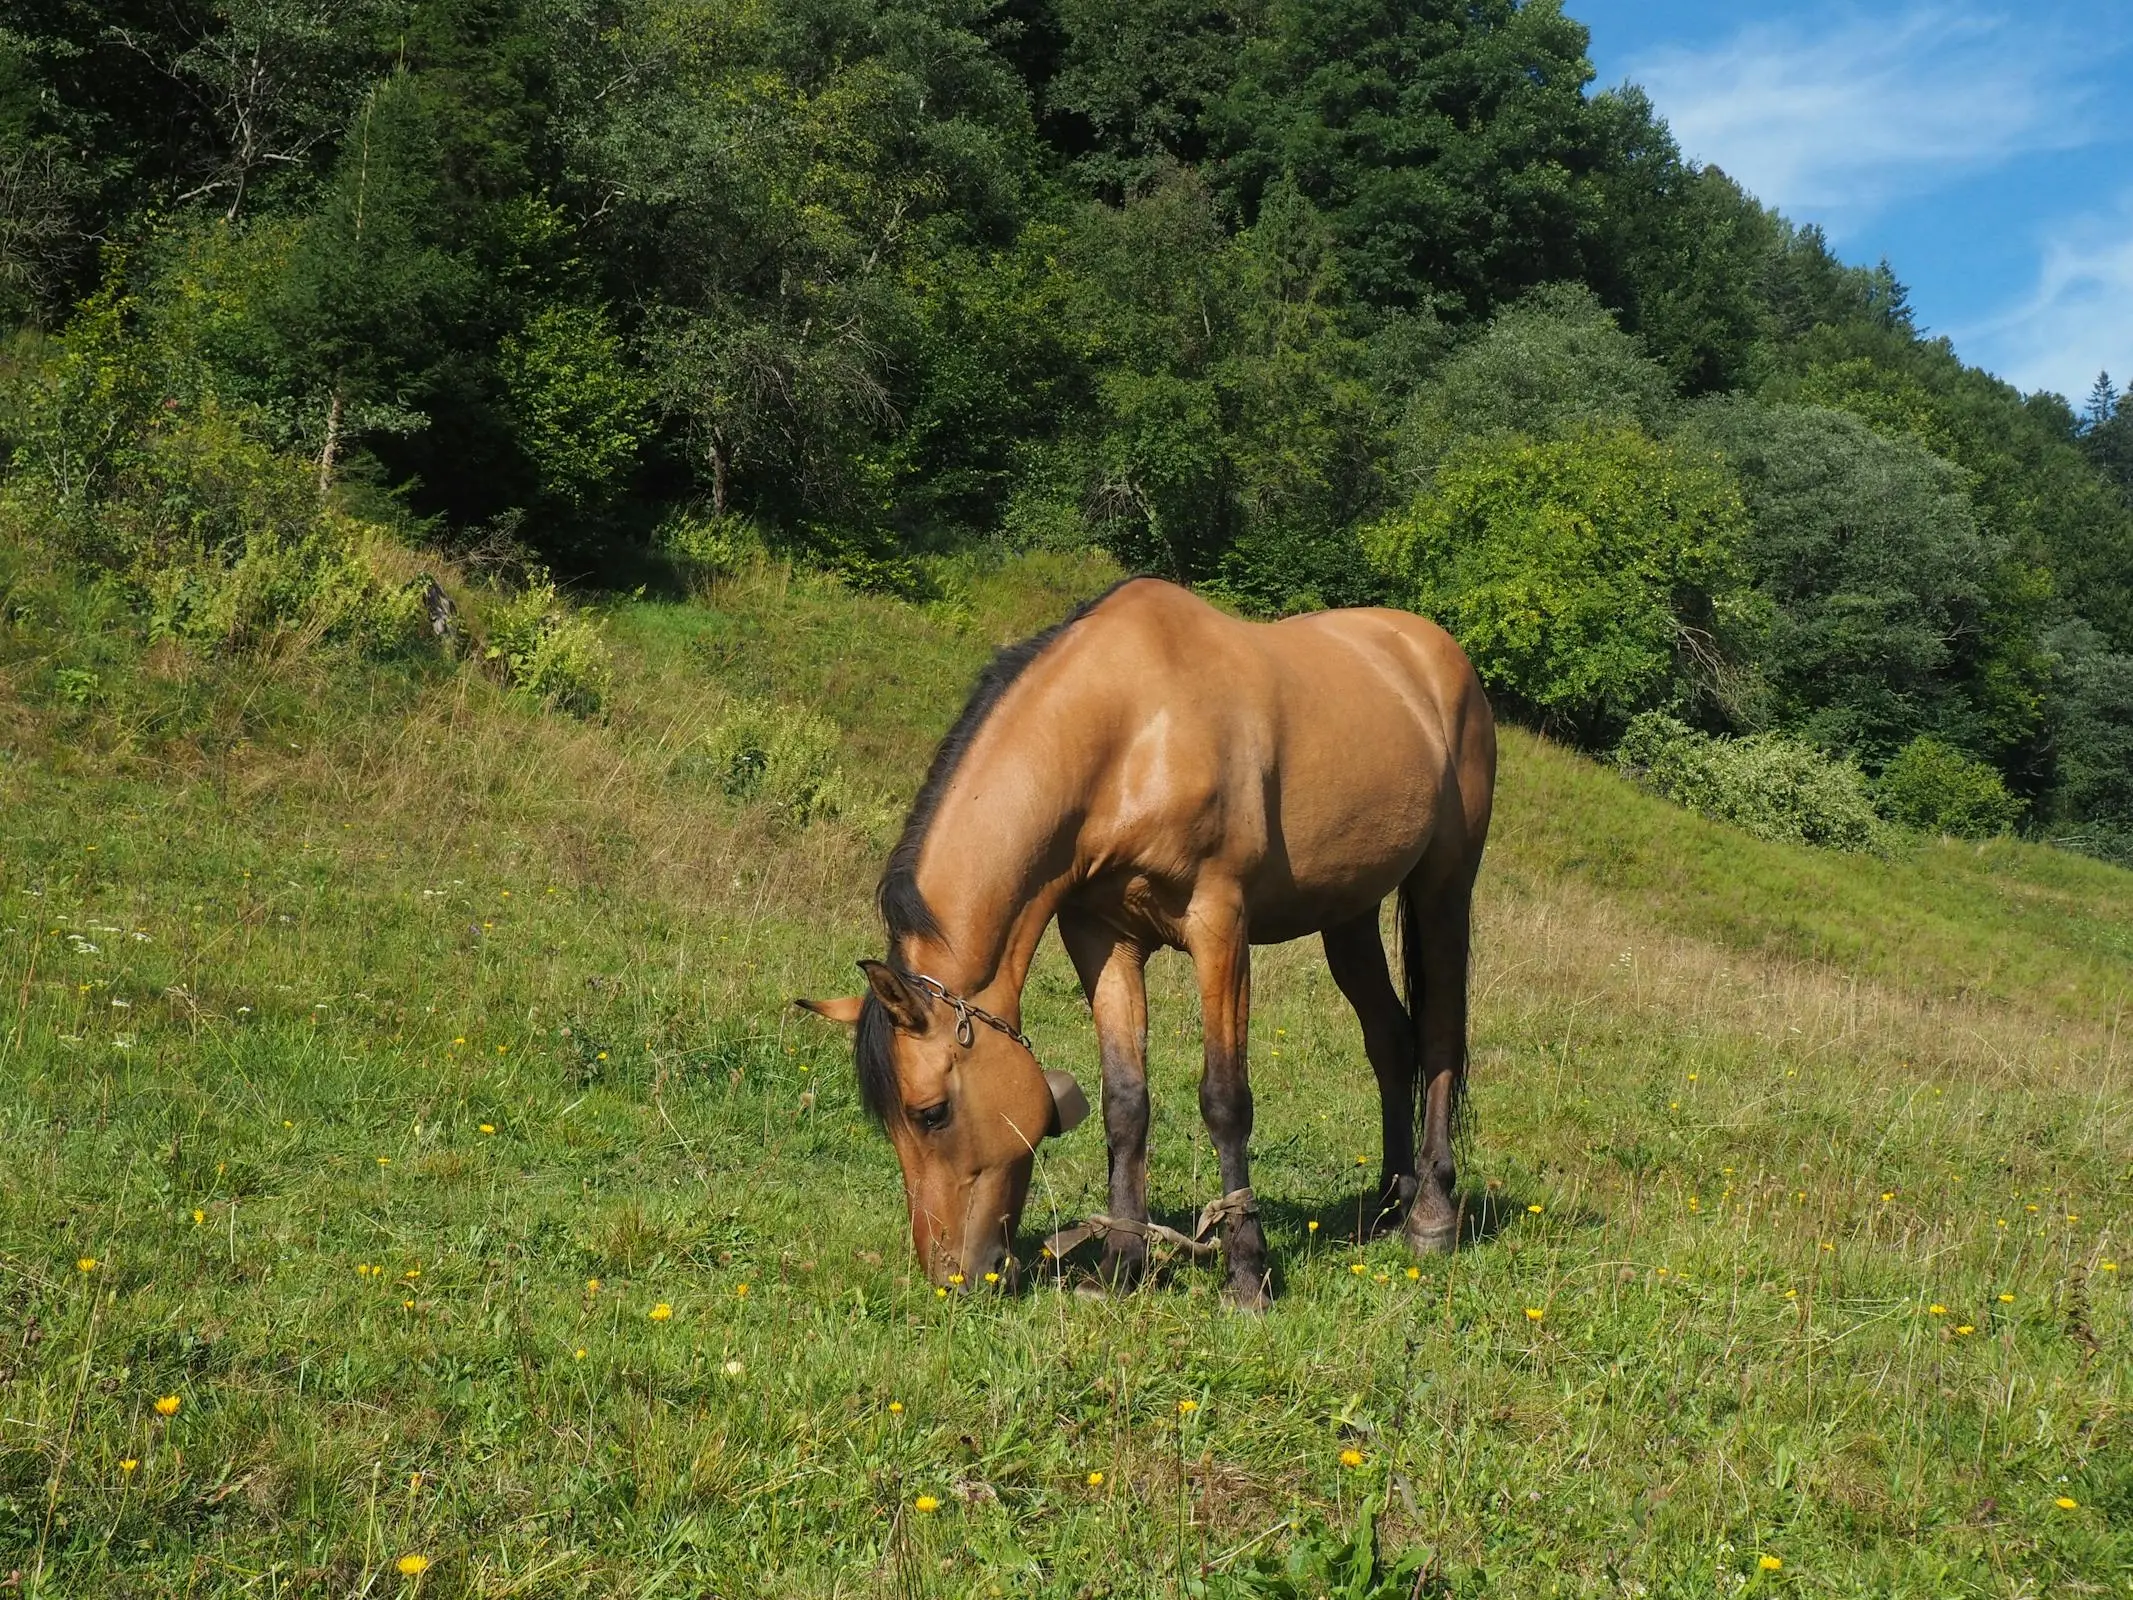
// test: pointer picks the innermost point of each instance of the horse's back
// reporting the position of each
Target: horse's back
(1319, 759)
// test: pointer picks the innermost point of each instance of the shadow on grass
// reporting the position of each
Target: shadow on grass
(1483, 1215)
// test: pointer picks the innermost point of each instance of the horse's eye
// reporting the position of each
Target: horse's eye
(933, 1118)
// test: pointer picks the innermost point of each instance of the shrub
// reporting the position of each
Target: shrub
(783, 757)
(1935, 788)
(1768, 785)
(707, 549)
(549, 651)
(1577, 573)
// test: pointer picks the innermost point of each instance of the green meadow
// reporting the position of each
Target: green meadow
(414, 1180)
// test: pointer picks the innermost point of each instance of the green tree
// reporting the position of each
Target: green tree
(579, 407)
(1552, 364)
(1449, 142)
(1880, 583)
(1589, 577)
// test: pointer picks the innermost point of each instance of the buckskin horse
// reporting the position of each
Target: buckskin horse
(1155, 773)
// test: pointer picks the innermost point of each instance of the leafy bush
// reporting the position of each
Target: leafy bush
(549, 651)
(579, 407)
(708, 548)
(1581, 575)
(1935, 788)
(784, 757)
(1768, 785)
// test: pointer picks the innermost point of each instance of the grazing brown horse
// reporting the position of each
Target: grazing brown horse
(1155, 773)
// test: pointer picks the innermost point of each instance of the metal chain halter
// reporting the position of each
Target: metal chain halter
(966, 1013)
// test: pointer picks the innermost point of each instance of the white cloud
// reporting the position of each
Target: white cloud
(2077, 318)
(1838, 120)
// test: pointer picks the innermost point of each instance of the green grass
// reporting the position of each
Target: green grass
(1746, 1116)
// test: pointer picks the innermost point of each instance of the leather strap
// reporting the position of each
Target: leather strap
(1199, 1244)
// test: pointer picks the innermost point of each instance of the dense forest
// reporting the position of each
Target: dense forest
(1306, 302)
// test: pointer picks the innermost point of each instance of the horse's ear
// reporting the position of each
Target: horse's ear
(845, 1010)
(905, 1005)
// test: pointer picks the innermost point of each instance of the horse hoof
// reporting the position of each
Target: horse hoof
(1440, 1240)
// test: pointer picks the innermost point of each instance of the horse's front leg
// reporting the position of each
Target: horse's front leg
(1112, 969)
(1221, 955)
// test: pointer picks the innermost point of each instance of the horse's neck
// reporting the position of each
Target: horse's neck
(993, 877)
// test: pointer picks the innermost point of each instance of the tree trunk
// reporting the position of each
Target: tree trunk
(330, 451)
(718, 477)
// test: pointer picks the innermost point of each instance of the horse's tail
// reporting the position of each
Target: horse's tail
(1414, 983)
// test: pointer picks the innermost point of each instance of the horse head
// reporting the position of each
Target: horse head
(965, 1103)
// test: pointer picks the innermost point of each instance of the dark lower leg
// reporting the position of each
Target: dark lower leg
(1112, 976)
(1355, 954)
(1434, 1221)
(1226, 1104)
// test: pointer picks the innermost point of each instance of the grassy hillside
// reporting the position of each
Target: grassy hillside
(381, 1055)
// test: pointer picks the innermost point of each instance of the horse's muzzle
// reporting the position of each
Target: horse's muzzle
(1070, 1107)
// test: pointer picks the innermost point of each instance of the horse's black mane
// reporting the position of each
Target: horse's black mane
(903, 908)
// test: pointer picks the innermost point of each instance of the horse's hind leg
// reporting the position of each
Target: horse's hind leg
(1435, 936)
(1112, 970)
(1221, 958)
(1355, 952)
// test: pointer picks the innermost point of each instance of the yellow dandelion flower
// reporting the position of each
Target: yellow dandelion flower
(199, 1216)
(412, 1273)
(2029, 1208)
(167, 1405)
(488, 1127)
(1187, 1407)
(2071, 1217)
(992, 1277)
(128, 1464)
(940, 1294)
(1536, 1210)
(1966, 1329)
(592, 1285)
(460, 1040)
(1937, 1310)
(2107, 1266)
(578, 1354)
(1362, 1161)
(1358, 1268)
(1096, 1480)
(1535, 1313)
(412, 1566)
(1769, 1563)
(741, 1289)
(407, 1305)
(1414, 1274)
(896, 1408)
(1828, 1246)
(927, 1504)
(2067, 1502)
(1351, 1458)
(2006, 1299)
(662, 1311)
(956, 1278)
(1311, 1226)
(385, 1161)
(87, 1263)
(1887, 1195)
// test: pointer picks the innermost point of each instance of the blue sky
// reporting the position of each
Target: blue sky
(1985, 147)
